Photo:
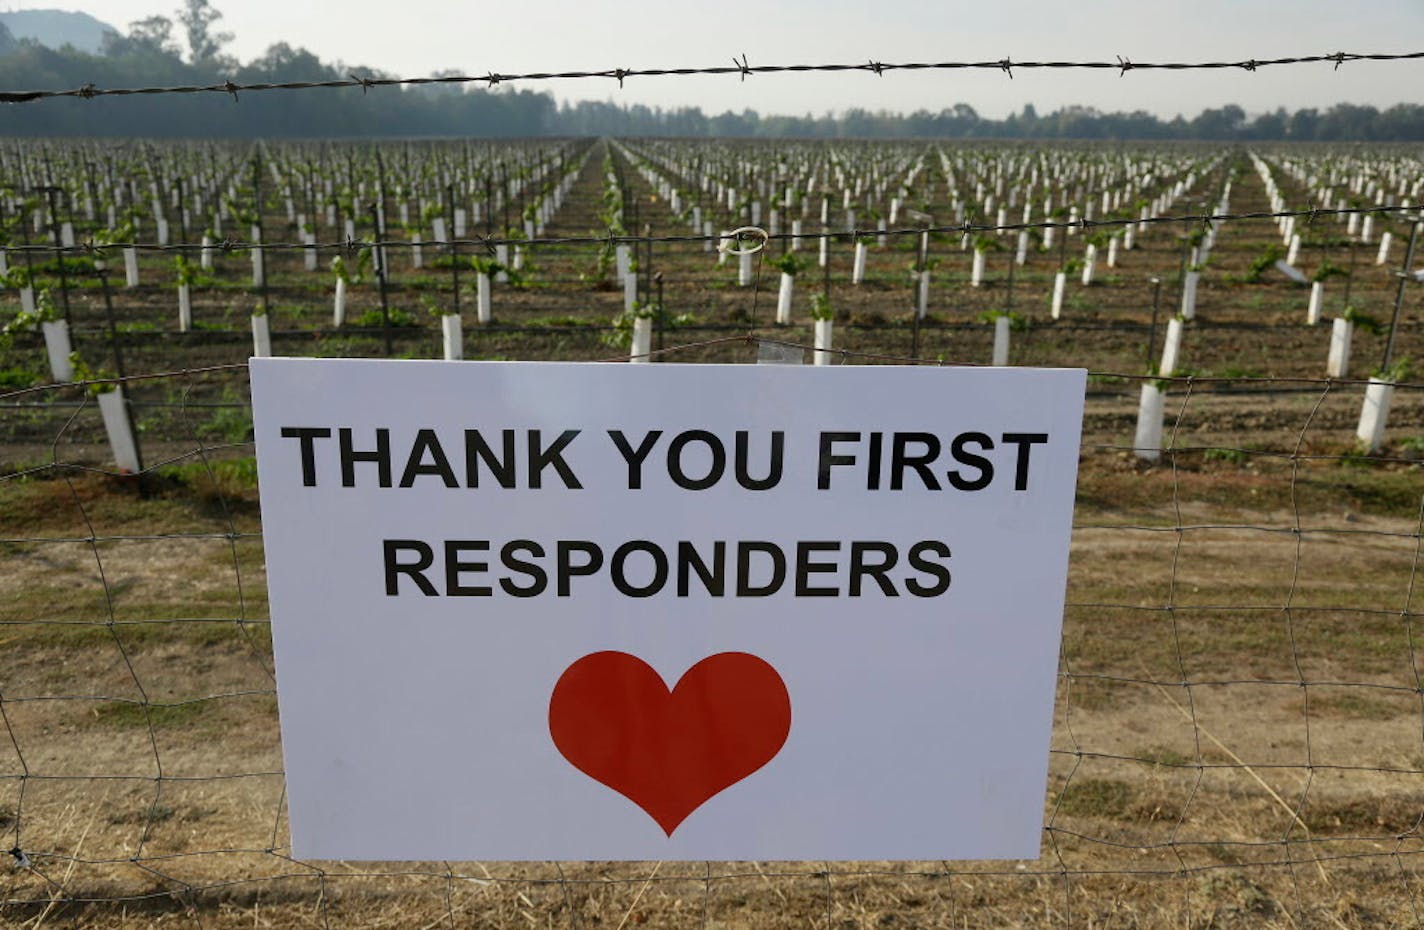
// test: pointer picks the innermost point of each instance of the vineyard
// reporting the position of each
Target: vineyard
(1237, 735)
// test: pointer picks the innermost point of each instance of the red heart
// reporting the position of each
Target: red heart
(614, 719)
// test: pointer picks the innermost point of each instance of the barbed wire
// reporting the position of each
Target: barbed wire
(740, 67)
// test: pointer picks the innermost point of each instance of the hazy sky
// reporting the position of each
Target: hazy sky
(414, 37)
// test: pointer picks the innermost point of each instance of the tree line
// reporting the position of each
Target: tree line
(150, 55)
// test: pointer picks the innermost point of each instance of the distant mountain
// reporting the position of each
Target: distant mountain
(56, 28)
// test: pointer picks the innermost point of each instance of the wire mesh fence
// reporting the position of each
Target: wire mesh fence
(1239, 728)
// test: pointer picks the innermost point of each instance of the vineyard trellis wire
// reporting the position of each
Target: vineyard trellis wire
(489, 243)
(757, 239)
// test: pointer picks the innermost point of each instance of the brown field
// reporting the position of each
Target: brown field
(1239, 728)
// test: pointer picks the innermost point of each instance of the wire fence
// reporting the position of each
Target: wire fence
(1239, 728)
(1237, 734)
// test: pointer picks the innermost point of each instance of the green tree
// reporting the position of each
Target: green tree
(1223, 123)
(197, 18)
(1303, 125)
(281, 62)
(152, 36)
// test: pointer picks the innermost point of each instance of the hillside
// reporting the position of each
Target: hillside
(56, 28)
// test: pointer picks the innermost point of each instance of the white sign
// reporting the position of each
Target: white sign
(581, 611)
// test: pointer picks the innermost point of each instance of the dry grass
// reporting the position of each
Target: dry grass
(1194, 780)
